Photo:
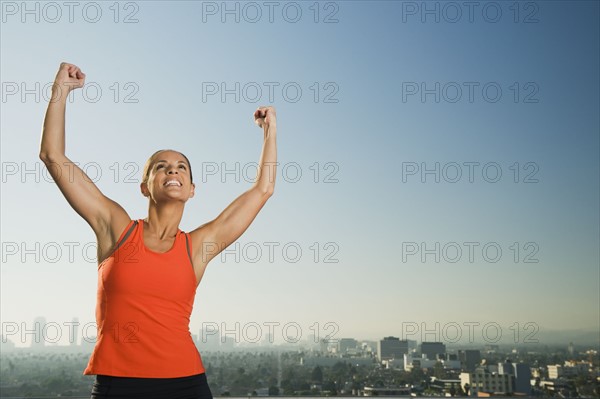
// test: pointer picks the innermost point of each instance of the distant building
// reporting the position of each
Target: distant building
(391, 348)
(444, 385)
(492, 368)
(37, 333)
(506, 367)
(423, 362)
(578, 367)
(522, 378)
(346, 344)
(555, 385)
(555, 371)
(209, 340)
(412, 344)
(521, 372)
(470, 358)
(482, 381)
(411, 362)
(397, 364)
(432, 349)
(368, 346)
(324, 345)
(451, 363)
(491, 348)
(569, 369)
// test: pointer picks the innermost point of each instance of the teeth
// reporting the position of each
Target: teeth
(172, 183)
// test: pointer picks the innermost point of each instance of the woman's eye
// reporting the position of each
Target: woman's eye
(159, 166)
(182, 166)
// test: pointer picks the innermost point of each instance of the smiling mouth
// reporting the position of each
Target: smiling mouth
(173, 183)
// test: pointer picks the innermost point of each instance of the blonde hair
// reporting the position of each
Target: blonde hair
(150, 163)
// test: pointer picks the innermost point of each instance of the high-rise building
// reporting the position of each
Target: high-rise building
(522, 378)
(470, 358)
(571, 348)
(391, 348)
(432, 349)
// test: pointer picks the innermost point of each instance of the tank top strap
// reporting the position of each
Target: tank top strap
(126, 233)
(188, 247)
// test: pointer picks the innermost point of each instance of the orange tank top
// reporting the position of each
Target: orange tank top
(143, 309)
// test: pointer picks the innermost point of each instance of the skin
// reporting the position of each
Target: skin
(166, 204)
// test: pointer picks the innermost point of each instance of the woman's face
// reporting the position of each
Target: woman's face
(168, 178)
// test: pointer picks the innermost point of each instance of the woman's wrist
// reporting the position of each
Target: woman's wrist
(59, 93)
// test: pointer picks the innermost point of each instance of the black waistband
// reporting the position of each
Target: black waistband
(194, 386)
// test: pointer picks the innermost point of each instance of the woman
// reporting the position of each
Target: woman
(148, 269)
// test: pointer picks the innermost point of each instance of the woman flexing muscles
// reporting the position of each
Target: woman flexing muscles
(148, 269)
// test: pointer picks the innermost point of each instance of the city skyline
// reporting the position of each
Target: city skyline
(47, 333)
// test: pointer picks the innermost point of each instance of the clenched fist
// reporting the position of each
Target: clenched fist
(265, 117)
(68, 77)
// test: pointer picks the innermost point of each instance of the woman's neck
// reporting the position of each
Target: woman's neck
(163, 220)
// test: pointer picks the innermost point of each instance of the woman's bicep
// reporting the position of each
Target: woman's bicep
(216, 235)
(82, 194)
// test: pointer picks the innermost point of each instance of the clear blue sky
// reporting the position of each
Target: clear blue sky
(364, 134)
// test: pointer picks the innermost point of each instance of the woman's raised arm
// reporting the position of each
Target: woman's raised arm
(105, 216)
(213, 237)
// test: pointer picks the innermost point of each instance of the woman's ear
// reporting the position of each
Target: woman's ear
(144, 189)
(193, 190)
